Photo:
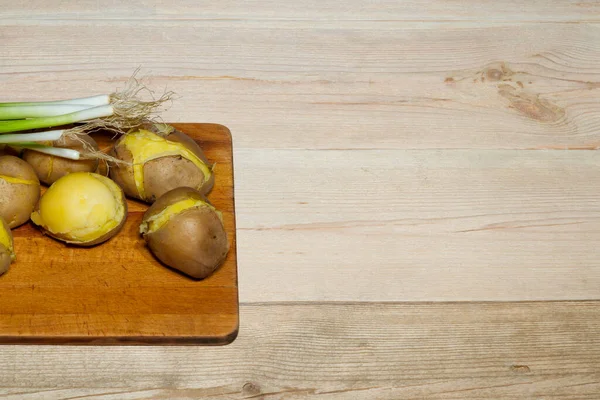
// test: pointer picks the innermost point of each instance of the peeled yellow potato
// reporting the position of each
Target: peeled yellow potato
(82, 208)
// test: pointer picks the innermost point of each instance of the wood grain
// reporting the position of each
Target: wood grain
(307, 85)
(384, 151)
(118, 292)
(341, 351)
(421, 225)
(232, 11)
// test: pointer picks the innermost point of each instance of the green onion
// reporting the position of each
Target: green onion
(55, 151)
(46, 136)
(37, 111)
(92, 101)
(56, 120)
(117, 112)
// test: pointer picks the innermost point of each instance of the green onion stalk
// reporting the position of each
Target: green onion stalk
(117, 112)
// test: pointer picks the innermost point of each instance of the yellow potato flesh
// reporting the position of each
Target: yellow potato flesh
(6, 241)
(12, 179)
(146, 146)
(157, 221)
(81, 205)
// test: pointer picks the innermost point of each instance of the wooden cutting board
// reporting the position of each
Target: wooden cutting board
(117, 292)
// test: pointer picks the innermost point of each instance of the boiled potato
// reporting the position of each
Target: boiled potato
(49, 168)
(6, 150)
(102, 167)
(185, 232)
(19, 190)
(159, 159)
(81, 208)
(7, 252)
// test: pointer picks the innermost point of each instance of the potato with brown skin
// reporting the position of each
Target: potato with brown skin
(102, 167)
(186, 233)
(6, 150)
(49, 168)
(159, 159)
(7, 252)
(19, 190)
(81, 208)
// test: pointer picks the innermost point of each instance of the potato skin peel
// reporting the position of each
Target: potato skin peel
(193, 241)
(50, 168)
(19, 190)
(160, 174)
(122, 175)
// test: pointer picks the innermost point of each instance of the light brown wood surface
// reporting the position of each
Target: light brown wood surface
(416, 192)
(118, 292)
(342, 351)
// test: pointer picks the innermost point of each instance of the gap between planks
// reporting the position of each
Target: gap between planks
(385, 351)
(408, 303)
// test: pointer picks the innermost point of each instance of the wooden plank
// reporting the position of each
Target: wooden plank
(418, 225)
(313, 10)
(118, 292)
(341, 351)
(304, 85)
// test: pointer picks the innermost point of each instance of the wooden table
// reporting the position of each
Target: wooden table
(416, 186)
